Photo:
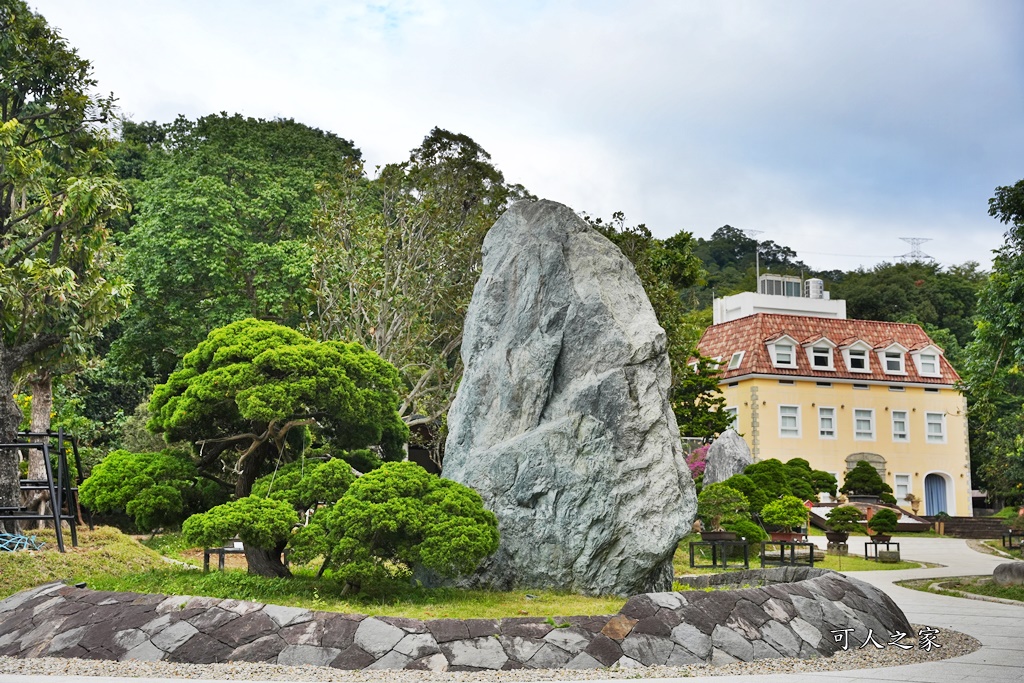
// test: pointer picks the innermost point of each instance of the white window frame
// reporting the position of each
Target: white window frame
(896, 485)
(862, 348)
(735, 412)
(735, 360)
(871, 418)
(928, 436)
(905, 436)
(899, 353)
(822, 347)
(821, 423)
(785, 341)
(785, 433)
(929, 351)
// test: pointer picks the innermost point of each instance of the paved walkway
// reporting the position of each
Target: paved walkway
(997, 626)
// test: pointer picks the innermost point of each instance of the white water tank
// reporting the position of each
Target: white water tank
(814, 288)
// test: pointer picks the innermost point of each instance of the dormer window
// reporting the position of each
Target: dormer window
(927, 361)
(819, 353)
(736, 359)
(857, 356)
(892, 358)
(782, 351)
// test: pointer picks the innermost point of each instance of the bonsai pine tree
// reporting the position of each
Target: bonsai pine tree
(883, 522)
(395, 519)
(864, 480)
(264, 519)
(718, 503)
(156, 489)
(247, 395)
(746, 486)
(786, 512)
(771, 477)
(844, 519)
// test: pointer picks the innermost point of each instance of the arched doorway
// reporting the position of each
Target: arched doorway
(934, 494)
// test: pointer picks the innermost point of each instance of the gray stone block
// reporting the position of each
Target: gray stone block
(392, 660)
(782, 638)
(693, 640)
(733, 643)
(728, 455)
(436, 662)
(129, 638)
(520, 649)
(481, 653)
(889, 556)
(66, 640)
(417, 645)
(807, 632)
(680, 656)
(377, 637)
(265, 649)
(299, 655)
(548, 657)
(286, 616)
(144, 652)
(571, 640)
(648, 650)
(174, 636)
(583, 661)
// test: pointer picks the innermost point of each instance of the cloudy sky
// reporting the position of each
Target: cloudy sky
(834, 127)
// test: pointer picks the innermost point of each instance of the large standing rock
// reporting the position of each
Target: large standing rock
(562, 420)
(728, 455)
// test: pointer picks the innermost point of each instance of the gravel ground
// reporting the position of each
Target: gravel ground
(953, 644)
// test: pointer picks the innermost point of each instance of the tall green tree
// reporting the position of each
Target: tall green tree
(57, 190)
(396, 258)
(993, 381)
(224, 209)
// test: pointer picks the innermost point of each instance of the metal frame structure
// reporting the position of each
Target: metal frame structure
(62, 493)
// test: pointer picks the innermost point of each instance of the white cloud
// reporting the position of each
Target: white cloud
(831, 126)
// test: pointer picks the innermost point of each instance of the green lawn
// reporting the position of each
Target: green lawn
(979, 585)
(850, 563)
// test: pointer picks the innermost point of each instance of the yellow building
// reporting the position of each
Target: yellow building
(834, 391)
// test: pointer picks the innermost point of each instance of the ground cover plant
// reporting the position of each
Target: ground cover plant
(102, 554)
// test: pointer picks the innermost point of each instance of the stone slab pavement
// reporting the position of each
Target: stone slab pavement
(997, 626)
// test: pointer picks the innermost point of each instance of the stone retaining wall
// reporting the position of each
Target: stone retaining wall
(779, 619)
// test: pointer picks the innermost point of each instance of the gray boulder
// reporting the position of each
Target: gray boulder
(728, 455)
(1009, 574)
(562, 420)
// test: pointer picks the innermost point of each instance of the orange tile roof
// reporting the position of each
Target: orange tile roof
(750, 333)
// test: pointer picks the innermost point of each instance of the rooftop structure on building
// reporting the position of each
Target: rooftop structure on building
(780, 294)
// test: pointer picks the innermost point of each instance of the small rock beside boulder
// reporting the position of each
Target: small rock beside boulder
(1009, 574)
(728, 455)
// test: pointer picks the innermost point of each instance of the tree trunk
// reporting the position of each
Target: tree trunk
(264, 562)
(42, 407)
(10, 418)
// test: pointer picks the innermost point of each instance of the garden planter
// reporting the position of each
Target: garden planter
(837, 536)
(871, 500)
(790, 536)
(717, 536)
(881, 538)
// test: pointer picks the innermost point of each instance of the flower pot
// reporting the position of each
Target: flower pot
(718, 536)
(837, 536)
(858, 498)
(790, 536)
(881, 538)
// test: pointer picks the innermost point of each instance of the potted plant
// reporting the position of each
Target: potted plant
(718, 503)
(883, 523)
(786, 512)
(915, 503)
(863, 484)
(841, 521)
